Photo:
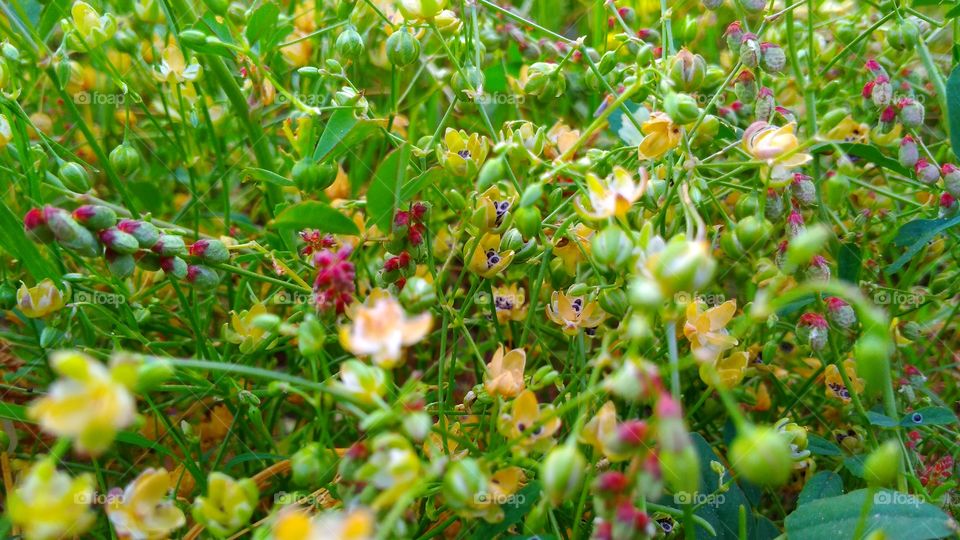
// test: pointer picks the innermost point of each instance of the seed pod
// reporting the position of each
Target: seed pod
(95, 217)
(681, 108)
(403, 48)
(202, 277)
(69, 233)
(528, 221)
(911, 113)
(883, 465)
(926, 172)
(349, 44)
(35, 225)
(561, 473)
(145, 233)
(687, 70)
(120, 265)
(118, 241)
(762, 456)
(750, 52)
(74, 176)
(908, 154)
(174, 266)
(169, 245)
(951, 179)
(773, 59)
(125, 159)
(210, 251)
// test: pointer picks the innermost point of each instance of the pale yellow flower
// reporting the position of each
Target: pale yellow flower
(727, 372)
(89, 403)
(392, 468)
(421, 9)
(380, 329)
(487, 260)
(365, 383)
(601, 429)
(849, 130)
(173, 67)
(49, 504)
(505, 373)
(573, 313)
(144, 510)
(39, 301)
(609, 197)
(244, 330)
(835, 388)
(93, 28)
(706, 330)
(510, 303)
(296, 524)
(660, 136)
(573, 250)
(525, 411)
(462, 154)
(778, 146)
(492, 208)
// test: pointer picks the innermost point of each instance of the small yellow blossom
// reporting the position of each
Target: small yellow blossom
(525, 411)
(573, 247)
(599, 431)
(660, 136)
(49, 504)
(849, 130)
(505, 373)
(463, 154)
(365, 383)
(143, 510)
(228, 505)
(501, 485)
(833, 381)
(706, 330)
(89, 403)
(380, 329)
(492, 209)
(610, 197)
(244, 330)
(561, 138)
(39, 301)
(487, 260)
(6, 134)
(778, 146)
(726, 373)
(93, 28)
(573, 313)
(174, 69)
(510, 303)
(421, 9)
(295, 524)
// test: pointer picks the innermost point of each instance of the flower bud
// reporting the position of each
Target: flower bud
(765, 105)
(872, 353)
(684, 265)
(687, 70)
(528, 221)
(417, 425)
(753, 6)
(882, 92)
(774, 206)
(951, 179)
(681, 108)
(911, 113)
(813, 329)
(464, 484)
(803, 189)
(611, 247)
(614, 302)
(210, 251)
(418, 294)
(561, 473)
(145, 233)
(882, 466)
(310, 336)
(734, 36)
(837, 189)
(193, 38)
(152, 373)
(773, 59)
(926, 172)
(35, 225)
(124, 159)
(806, 245)
(174, 266)
(74, 176)
(95, 217)
(543, 79)
(202, 277)
(403, 48)
(909, 154)
(169, 245)
(349, 44)
(312, 466)
(752, 232)
(69, 233)
(819, 269)
(750, 52)
(118, 241)
(840, 312)
(228, 505)
(762, 456)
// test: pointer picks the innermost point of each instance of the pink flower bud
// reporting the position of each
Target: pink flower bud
(926, 172)
(841, 314)
(812, 328)
(951, 178)
(95, 217)
(909, 153)
(35, 225)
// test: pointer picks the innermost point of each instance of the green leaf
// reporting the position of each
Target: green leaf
(953, 99)
(383, 197)
(849, 262)
(899, 516)
(15, 242)
(262, 23)
(929, 416)
(314, 215)
(864, 151)
(415, 185)
(53, 12)
(917, 234)
(854, 464)
(513, 512)
(881, 420)
(822, 447)
(824, 484)
(263, 175)
(340, 123)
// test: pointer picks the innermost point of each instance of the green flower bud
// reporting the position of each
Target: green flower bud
(561, 473)
(169, 245)
(210, 251)
(310, 336)
(402, 48)
(532, 194)
(645, 55)
(74, 176)
(202, 277)
(228, 505)
(193, 38)
(681, 108)
(762, 456)
(417, 425)
(882, 466)
(350, 44)
(753, 232)
(511, 240)
(684, 265)
(118, 241)
(543, 79)
(492, 171)
(645, 293)
(145, 233)
(837, 189)
(687, 71)
(418, 294)
(614, 302)
(313, 466)
(95, 217)
(70, 234)
(528, 221)
(607, 62)
(805, 245)
(124, 159)
(611, 248)
(464, 484)
(152, 373)
(470, 81)
(174, 266)
(872, 353)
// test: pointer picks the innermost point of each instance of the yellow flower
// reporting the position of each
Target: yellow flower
(365, 383)
(492, 210)
(525, 411)
(599, 431)
(392, 468)
(245, 331)
(228, 505)
(487, 260)
(93, 28)
(505, 373)
(706, 330)
(501, 485)
(174, 69)
(571, 252)
(660, 136)
(6, 134)
(610, 197)
(299, 52)
(143, 509)
(510, 303)
(561, 139)
(727, 372)
(834, 381)
(573, 313)
(295, 524)
(464, 154)
(421, 9)
(778, 146)
(849, 130)
(88, 403)
(48, 504)
(380, 329)
(434, 446)
(39, 301)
